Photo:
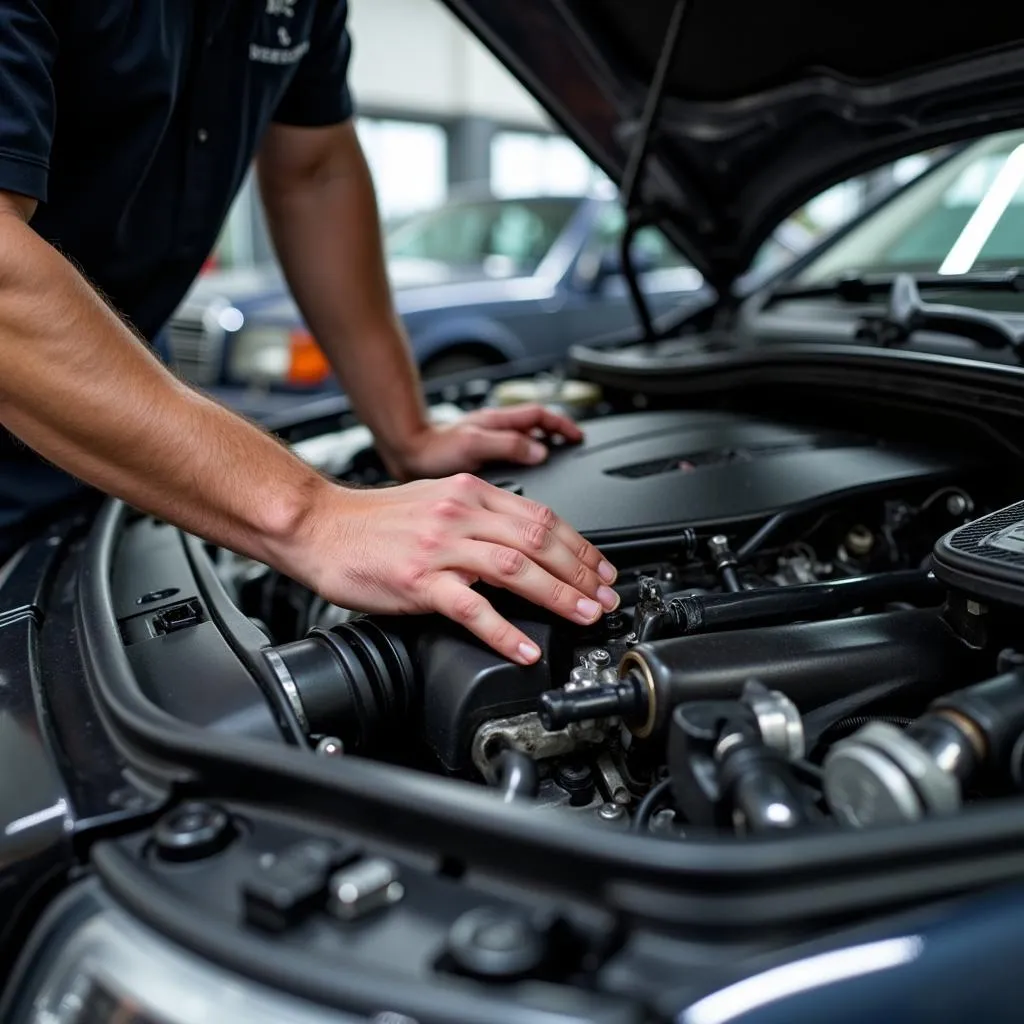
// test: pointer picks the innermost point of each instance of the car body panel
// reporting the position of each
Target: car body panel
(958, 963)
(36, 814)
(503, 318)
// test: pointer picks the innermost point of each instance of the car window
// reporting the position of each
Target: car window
(650, 246)
(501, 236)
(967, 215)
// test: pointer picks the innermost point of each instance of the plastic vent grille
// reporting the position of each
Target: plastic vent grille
(692, 461)
(967, 539)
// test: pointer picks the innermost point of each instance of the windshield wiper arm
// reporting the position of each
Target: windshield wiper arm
(908, 313)
(865, 287)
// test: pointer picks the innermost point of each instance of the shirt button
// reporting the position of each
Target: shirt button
(202, 135)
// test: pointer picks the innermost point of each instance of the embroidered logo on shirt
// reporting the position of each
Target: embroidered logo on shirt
(285, 52)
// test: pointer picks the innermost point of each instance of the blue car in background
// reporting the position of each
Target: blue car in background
(478, 281)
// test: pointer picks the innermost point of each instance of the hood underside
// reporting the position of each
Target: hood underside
(765, 105)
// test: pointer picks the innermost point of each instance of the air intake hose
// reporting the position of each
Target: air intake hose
(354, 681)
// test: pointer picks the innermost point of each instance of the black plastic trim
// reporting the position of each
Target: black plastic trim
(367, 990)
(997, 586)
(243, 638)
(810, 362)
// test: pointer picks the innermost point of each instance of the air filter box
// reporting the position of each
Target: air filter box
(985, 558)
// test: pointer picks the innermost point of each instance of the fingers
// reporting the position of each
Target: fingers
(495, 499)
(547, 549)
(452, 597)
(489, 445)
(511, 569)
(480, 443)
(525, 418)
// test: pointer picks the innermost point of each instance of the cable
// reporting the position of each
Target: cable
(649, 805)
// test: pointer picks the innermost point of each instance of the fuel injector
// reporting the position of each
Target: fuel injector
(881, 775)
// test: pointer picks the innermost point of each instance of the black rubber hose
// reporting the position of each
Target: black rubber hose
(518, 778)
(650, 803)
(754, 543)
(762, 786)
(687, 615)
(731, 580)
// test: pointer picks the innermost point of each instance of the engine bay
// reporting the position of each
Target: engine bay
(792, 651)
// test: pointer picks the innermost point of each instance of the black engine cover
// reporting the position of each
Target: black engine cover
(652, 472)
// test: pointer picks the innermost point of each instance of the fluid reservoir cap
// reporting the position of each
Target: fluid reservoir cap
(496, 943)
(880, 775)
(864, 788)
(578, 394)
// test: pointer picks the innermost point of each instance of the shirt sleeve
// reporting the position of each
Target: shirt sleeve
(28, 49)
(319, 94)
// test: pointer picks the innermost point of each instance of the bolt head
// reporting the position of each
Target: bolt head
(193, 831)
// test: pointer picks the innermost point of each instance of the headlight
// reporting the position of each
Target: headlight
(111, 968)
(276, 355)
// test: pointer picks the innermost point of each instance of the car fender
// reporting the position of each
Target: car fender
(430, 339)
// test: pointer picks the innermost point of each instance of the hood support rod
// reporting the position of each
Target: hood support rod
(636, 210)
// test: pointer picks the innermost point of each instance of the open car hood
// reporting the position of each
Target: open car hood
(764, 105)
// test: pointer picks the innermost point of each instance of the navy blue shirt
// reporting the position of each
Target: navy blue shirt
(133, 123)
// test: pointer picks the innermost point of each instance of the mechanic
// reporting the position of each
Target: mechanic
(126, 129)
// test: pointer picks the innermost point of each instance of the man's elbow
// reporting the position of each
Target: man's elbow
(15, 205)
(299, 160)
(15, 213)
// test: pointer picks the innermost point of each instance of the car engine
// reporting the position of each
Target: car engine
(792, 649)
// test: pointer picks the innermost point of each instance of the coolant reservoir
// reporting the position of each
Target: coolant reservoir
(572, 396)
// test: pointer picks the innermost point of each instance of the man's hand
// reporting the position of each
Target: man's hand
(488, 435)
(420, 548)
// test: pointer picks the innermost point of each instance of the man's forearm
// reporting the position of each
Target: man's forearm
(80, 389)
(323, 217)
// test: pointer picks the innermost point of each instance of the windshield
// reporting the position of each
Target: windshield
(500, 236)
(968, 215)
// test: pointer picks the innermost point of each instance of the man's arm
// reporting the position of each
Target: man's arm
(79, 388)
(322, 212)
